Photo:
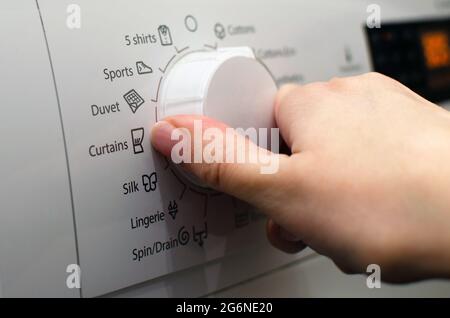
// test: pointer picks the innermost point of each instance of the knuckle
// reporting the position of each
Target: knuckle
(213, 174)
(313, 92)
(317, 87)
(339, 82)
(353, 81)
(364, 83)
(375, 76)
(380, 79)
(298, 95)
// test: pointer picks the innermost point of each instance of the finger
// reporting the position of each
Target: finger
(296, 109)
(241, 168)
(284, 111)
(282, 239)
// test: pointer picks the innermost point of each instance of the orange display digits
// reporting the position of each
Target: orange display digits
(436, 49)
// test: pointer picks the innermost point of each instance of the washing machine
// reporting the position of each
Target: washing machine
(89, 209)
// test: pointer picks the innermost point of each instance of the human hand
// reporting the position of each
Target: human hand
(368, 180)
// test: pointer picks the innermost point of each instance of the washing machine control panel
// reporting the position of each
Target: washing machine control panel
(84, 81)
(138, 216)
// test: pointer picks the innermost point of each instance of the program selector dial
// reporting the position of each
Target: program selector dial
(228, 84)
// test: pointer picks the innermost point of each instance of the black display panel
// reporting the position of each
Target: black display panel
(415, 53)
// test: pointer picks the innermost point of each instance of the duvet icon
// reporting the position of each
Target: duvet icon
(134, 100)
(137, 137)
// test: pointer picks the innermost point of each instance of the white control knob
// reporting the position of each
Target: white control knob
(229, 84)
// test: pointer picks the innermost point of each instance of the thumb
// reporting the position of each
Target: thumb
(221, 157)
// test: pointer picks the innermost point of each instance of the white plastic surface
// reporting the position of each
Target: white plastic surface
(37, 235)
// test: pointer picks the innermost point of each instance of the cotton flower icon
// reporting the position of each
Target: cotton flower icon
(219, 30)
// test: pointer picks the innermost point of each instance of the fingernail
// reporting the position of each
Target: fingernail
(161, 137)
(288, 236)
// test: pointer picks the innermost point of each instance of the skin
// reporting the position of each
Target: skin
(368, 180)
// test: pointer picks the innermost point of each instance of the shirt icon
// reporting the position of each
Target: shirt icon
(164, 35)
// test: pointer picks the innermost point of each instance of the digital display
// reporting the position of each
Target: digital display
(436, 49)
(416, 53)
